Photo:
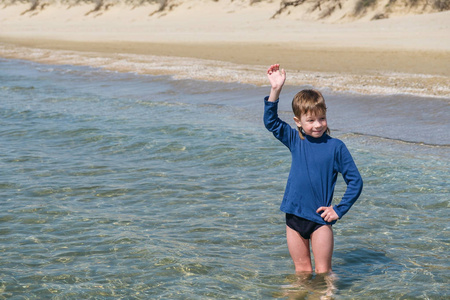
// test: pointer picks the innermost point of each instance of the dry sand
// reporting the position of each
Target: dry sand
(233, 41)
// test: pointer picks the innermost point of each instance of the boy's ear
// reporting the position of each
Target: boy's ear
(297, 122)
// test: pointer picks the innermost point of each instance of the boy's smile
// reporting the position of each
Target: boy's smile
(312, 125)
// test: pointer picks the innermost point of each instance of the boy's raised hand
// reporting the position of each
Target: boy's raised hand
(277, 78)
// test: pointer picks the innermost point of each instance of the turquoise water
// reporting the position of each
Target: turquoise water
(142, 187)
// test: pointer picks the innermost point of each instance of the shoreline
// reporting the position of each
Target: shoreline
(292, 55)
(230, 42)
(183, 61)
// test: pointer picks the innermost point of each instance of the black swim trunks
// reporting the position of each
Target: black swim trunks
(303, 226)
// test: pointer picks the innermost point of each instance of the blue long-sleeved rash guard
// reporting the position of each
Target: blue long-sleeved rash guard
(315, 165)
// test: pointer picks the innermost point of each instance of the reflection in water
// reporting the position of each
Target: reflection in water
(310, 286)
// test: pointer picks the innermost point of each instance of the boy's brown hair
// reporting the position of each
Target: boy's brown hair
(308, 101)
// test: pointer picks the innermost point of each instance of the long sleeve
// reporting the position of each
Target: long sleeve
(315, 165)
(280, 129)
(346, 166)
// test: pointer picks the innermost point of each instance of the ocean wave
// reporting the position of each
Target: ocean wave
(374, 83)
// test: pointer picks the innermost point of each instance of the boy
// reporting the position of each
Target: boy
(316, 161)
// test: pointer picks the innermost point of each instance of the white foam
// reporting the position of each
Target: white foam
(376, 83)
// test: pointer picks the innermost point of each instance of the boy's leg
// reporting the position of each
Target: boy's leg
(322, 243)
(299, 250)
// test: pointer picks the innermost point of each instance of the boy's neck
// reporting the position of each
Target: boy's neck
(314, 139)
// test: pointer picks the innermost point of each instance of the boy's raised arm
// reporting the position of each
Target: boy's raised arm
(277, 78)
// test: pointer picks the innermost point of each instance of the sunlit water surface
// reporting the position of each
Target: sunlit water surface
(139, 187)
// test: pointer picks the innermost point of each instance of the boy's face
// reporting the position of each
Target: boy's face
(312, 124)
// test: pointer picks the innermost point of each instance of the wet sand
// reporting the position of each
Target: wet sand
(385, 56)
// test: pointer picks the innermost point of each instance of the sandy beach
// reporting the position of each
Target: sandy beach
(236, 41)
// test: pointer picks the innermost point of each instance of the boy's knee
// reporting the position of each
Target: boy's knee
(303, 269)
(323, 270)
(303, 266)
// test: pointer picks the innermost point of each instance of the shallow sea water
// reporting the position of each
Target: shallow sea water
(125, 186)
